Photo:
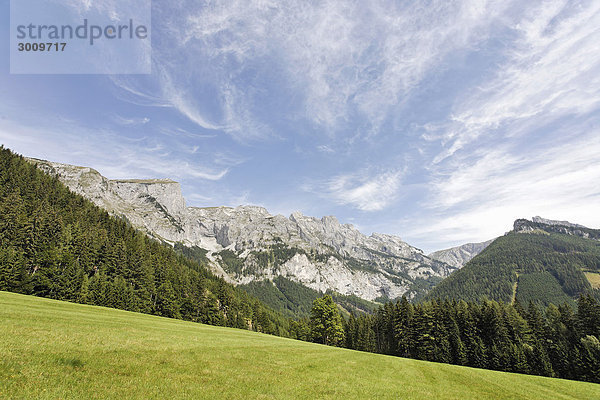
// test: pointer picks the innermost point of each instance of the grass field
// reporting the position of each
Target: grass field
(57, 350)
(593, 278)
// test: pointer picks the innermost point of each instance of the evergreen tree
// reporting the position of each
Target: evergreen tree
(326, 322)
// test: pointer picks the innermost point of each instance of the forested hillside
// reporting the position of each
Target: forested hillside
(552, 341)
(290, 298)
(56, 244)
(541, 265)
(296, 300)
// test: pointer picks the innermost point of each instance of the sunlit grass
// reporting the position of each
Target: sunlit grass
(593, 278)
(51, 349)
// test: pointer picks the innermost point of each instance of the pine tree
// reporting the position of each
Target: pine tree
(402, 325)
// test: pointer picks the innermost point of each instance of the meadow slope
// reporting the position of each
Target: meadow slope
(51, 349)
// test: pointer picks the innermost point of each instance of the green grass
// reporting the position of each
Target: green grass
(593, 278)
(51, 349)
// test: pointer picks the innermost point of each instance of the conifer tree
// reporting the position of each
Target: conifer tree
(326, 322)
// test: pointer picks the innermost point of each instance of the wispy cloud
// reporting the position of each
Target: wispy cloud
(364, 191)
(478, 199)
(329, 63)
(524, 142)
(552, 70)
(130, 121)
(116, 155)
(325, 149)
(143, 91)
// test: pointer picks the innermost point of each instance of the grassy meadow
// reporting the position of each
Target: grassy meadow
(57, 350)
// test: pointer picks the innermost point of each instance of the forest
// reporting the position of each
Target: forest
(56, 244)
(556, 341)
(547, 267)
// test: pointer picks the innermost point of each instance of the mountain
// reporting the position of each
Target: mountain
(540, 220)
(460, 255)
(247, 244)
(56, 244)
(540, 260)
(563, 227)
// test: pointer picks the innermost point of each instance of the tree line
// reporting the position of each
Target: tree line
(555, 341)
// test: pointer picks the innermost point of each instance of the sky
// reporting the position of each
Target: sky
(439, 122)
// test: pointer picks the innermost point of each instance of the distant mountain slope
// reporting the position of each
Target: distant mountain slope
(460, 255)
(294, 299)
(564, 227)
(542, 262)
(247, 244)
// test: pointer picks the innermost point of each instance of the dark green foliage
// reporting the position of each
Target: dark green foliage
(294, 299)
(193, 253)
(494, 272)
(353, 304)
(284, 295)
(494, 335)
(542, 288)
(326, 322)
(231, 262)
(56, 244)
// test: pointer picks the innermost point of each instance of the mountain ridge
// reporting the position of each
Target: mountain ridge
(458, 256)
(544, 263)
(247, 243)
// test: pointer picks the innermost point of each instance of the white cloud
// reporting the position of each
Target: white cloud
(130, 121)
(181, 99)
(325, 149)
(552, 71)
(526, 142)
(137, 90)
(478, 199)
(115, 155)
(336, 61)
(363, 191)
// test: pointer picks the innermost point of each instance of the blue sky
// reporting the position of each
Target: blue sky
(437, 122)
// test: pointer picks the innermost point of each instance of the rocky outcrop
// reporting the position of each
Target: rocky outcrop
(248, 243)
(538, 224)
(541, 220)
(460, 255)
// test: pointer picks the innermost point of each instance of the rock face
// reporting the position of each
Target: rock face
(540, 220)
(247, 243)
(538, 224)
(460, 255)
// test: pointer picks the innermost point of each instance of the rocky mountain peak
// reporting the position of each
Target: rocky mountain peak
(164, 192)
(541, 220)
(319, 253)
(460, 255)
(538, 224)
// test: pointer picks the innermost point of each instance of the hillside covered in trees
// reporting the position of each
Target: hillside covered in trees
(540, 265)
(555, 341)
(56, 244)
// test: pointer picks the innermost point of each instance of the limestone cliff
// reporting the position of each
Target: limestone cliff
(247, 243)
(460, 255)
